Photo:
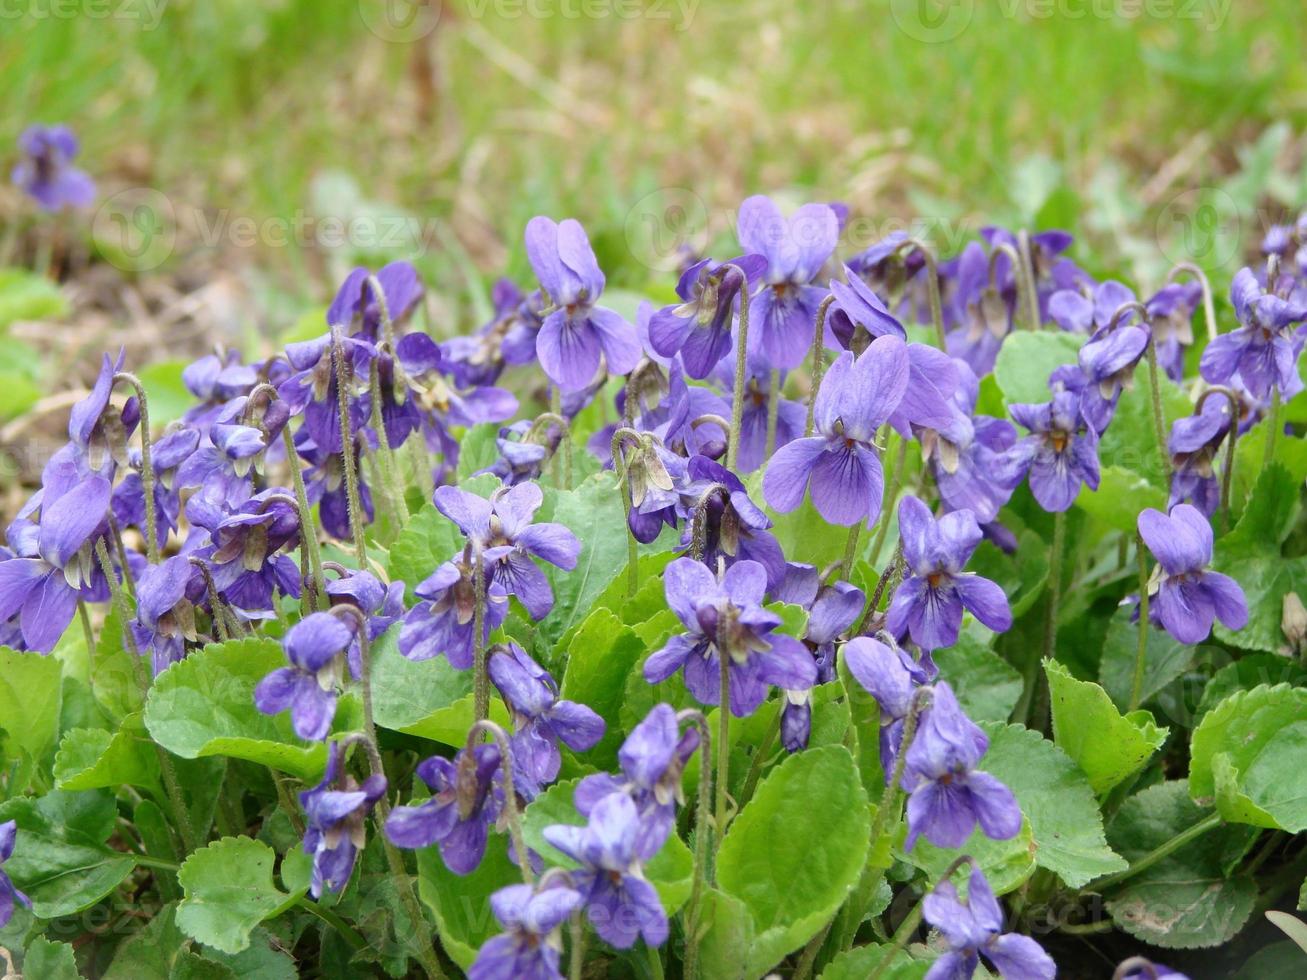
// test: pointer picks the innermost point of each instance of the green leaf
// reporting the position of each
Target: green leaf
(60, 859)
(1121, 495)
(601, 655)
(728, 933)
(170, 399)
(428, 540)
(1056, 798)
(795, 851)
(1283, 959)
(149, 952)
(461, 902)
(190, 965)
(478, 450)
(1130, 442)
(860, 963)
(229, 891)
(1248, 672)
(1007, 864)
(90, 758)
(987, 686)
(113, 675)
(30, 691)
(204, 706)
(50, 961)
(1026, 359)
(1106, 745)
(25, 295)
(1165, 659)
(263, 959)
(1023, 581)
(1185, 900)
(428, 698)
(1247, 753)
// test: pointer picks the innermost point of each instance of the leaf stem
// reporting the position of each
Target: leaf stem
(1141, 651)
(702, 838)
(347, 932)
(818, 356)
(1210, 822)
(737, 394)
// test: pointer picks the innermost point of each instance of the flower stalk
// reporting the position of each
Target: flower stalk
(741, 359)
(818, 357)
(702, 838)
(1141, 650)
(932, 286)
(147, 465)
(347, 447)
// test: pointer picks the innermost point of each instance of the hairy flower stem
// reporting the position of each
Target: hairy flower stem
(147, 465)
(166, 769)
(1194, 831)
(556, 409)
(308, 529)
(1231, 438)
(1272, 427)
(347, 448)
(910, 924)
(702, 838)
(1159, 421)
(1209, 307)
(1027, 279)
(576, 960)
(818, 357)
(510, 812)
(890, 496)
(219, 613)
(346, 932)
(851, 549)
(773, 410)
(932, 286)
(620, 437)
(1141, 651)
(545, 419)
(480, 675)
(386, 456)
(723, 740)
(741, 358)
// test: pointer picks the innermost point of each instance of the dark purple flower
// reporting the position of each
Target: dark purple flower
(973, 928)
(98, 430)
(312, 389)
(948, 795)
(656, 480)
(928, 604)
(983, 312)
(43, 585)
(165, 617)
(890, 676)
(540, 720)
(168, 453)
(699, 329)
(508, 338)
(673, 420)
(531, 945)
(400, 287)
(1261, 350)
(382, 605)
(1061, 452)
(727, 619)
(735, 529)
(577, 332)
(247, 554)
(1052, 270)
(8, 893)
(336, 810)
(324, 481)
(459, 813)
(1170, 319)
(1188, 598)
(857, 307)
(317, 648)
(621, 904)
(782, 313)
(46, 174)
(1193, 445)
(652, 758)
(442, 623)
(842, 463)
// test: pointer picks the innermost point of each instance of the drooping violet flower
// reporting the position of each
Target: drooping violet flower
(508, 338)
(735, 529)
(1261, 350)
(699, 329)
(312, 389)
(1108, 360)
(214, 380)
(1061, 452)
(336, 811)
(1170, 320)
(1188, 597)
(1193, 445)
(317, 648)
(928, 605)
(652, 758)
(42, 586)
(99, 431)
(165, 617)
(620, 902)
(167, 454)
(857, 307)
(678, 412)
(791, 416)
(442, 622)
(656, 480)
(8, 893)
(247, 554)
(531, 946)
(1138, 968)
(502, 529)
(400, 286)
(1076, 312)
(843, 463)
(577, 332)
(727, 619)
(890, 676)
(381, 605)
(948, 796)
(984, 312)
(325, 484)
(973, 928)
(781, 314)
(459, 813)
(46, 174)
(522, 459)
(1052, 270)
(541, 719)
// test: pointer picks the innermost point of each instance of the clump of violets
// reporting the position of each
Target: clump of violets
(1060, 454)
(620, 902)
(45, 172)
(9, 895)
(317, 648)
(1186, 597)
(335, 811)
(576, 333)
(973, 929)
(727, 619)
(1262, 351)
(842, 465)
(531, 945)
(929, 603)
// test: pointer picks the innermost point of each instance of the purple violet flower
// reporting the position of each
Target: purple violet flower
(984, 313)
(8, 893)
(890, 676)
(1187, 597)
(458, 816)
(735, 529)
(337, 809)
(928, 604)
(1061, 452)
(165, 617)
(791, 416)
(46, 174)
(1193, 445)
(843, 463)
(400, 286)
(247, 554)
(699, 329)
(1261, 350)
(1170, 320)
(317, 648)
(169, 453)
(531, 946)
(857, 307)
(577, 332)
(621, 904)
(442, 622)
(973, 928)
(727, 619)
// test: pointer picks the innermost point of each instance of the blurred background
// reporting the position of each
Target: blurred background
(248, 153)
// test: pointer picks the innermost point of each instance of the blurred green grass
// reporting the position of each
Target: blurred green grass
(496, 116)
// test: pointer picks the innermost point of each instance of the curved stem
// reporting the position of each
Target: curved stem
(553, 418)
(1141, 650)
(308, 529)
(773, 410)
(1028, 275)
(147, 466)
(1159, 421)
(932, 286)
(1209, 307)
(1273, 427)
(702, 838)
(699, 520)
(347, 932)
(623, 434)
(890, 495)
(723, 739)
(909, 925)
(480, 676)
(741, 357)
(1209, 822)
(347, 448)
(818, 360)
(1231, 437)
(511, 816)
(389, 467)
